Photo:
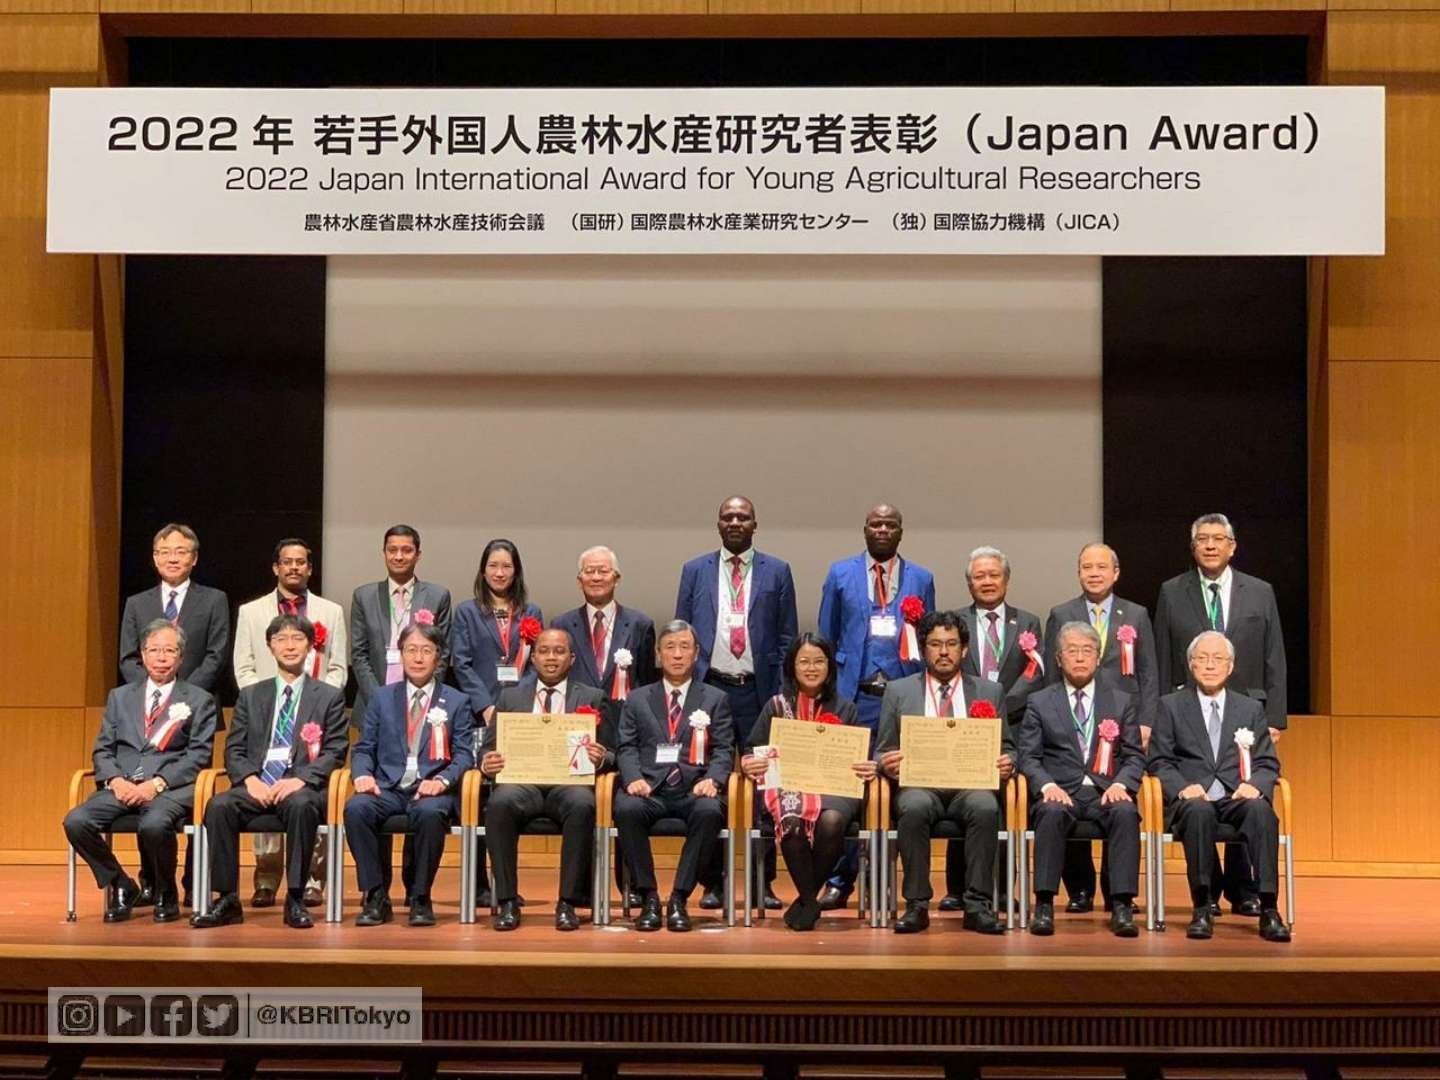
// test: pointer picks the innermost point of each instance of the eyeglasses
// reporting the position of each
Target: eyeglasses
(816, 662)
(1213, 538)
(293, 563)
(166, 553)
(291, 639)
(160, 650)
(1079, 650)
(1211, 658)
(420, 650)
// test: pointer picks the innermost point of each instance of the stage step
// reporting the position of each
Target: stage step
(1223, 1073)
(103, 1068)
(1388, 1072)
(479, 1070)
(688, 1071)
(23, 1066)
(335, 1069)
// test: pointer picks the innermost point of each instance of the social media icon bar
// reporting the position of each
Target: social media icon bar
(219, 1015)
(171, 1016)
(124, 1015)
(78, 1015)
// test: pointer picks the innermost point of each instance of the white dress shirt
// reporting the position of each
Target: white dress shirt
(891, 568)
(982, 623)
(557, 702)
(957, 695)
(1217, 789)
(1225, 580)
(721, 658)
(180, 592)
(608, 612)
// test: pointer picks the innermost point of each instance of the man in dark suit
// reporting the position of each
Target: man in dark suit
(381, 609)
(677, 744)
(1128, 662)
(1005, 644)
(741, 604)
(1216, 763)
(287, 735)
(415, 745)
(512, 806)
(602, 630)
(1079, 747)
(154, 739)
(201, 612)
(942, 690)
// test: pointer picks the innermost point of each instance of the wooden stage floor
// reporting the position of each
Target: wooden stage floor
(1362, 974)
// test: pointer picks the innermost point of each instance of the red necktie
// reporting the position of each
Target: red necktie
(881, 600)
(737, 606)
(676, 713)
(943, 707)
(597, 642)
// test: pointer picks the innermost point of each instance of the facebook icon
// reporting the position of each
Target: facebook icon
(171, 1016)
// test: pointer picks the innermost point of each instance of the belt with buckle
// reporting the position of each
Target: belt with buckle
(873, 688)
(724, 678)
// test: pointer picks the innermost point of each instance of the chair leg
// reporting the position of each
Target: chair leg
(200, 874)
(749, 886)
(70, 885)
(338, 894)
(862, 884)
(1159, 858)
(729, 877)
(1026, 840)
(1147, 865)
(1289, 844)
(467, 856)
(1009, 882)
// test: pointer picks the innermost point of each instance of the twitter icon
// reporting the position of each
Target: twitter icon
(218, 1015)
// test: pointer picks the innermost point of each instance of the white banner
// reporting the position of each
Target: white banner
(1094, 170)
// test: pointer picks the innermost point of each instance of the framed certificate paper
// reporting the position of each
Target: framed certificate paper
(950, 752)
(817, 758)
(544, 749)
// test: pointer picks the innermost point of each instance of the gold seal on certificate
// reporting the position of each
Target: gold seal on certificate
(818, 758)
(544, 749)
(948, 753)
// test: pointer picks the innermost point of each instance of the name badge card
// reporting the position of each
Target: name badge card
(507, 673)
(392, 656)
(882, 626)
(667, 753)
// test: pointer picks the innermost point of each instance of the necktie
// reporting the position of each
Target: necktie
(1217, 609)
(676, 713)
(881, 599)
(943, 705)
(1082, 724)
(990, 651)
(172, 613)
(417, 717)
(152, 714)
(1217, 789)
(549, 692)
(284, 727)
(1101, 623)
(397, 619)
(737, 605)
(597, 642)
(289, 605)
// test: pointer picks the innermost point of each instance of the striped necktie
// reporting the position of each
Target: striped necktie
(280, 740)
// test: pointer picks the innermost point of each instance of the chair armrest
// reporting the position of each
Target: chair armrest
(1153, 806)
(1283, 806)
(78, 794)
(742, 810)
(605, 799)
(885, 813)
(340, 789)
(204, 792)
(1022, 802)
(734, 784)
(471, 784)
(872, 799)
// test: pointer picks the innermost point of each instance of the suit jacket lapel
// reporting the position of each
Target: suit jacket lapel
(660, 708)
(1237, 600)
(132, 714)
(584, 650)
(1197, 598)
(1012, 631)
(619, 639)
(258, 737)
(1197, 719)
(710, 594)
(303, 716)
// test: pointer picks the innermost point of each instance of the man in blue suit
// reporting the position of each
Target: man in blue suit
(742, 606)
(860, 613)
(415, 745)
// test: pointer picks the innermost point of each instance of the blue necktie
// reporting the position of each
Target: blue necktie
(171, 611)
(275, 768)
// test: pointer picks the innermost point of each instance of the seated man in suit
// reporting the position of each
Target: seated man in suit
(676, 748)
(942, 690)
(154, 739)
(415, 745)
(1216, 763)
(511, 806)
(1079, 747)
(287, 735)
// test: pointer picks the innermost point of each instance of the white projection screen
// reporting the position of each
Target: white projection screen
(568, 401)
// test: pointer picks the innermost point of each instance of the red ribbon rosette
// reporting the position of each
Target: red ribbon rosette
(529, 631)
(828, 718)
(322, 637)
(982, 710)
(589, 710)
(310, 735)
(1126, 636)
(912, 610)
(1105, 751)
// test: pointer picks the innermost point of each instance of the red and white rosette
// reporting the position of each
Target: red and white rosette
(1105, 749)
(700, 729)
(310, 735)
(1244, 740)
(620, 685)
(1029, 649)
(912, 610)
(529, 632)
(439, 720)
(317, 658)
(1126, 636)
(175, 716)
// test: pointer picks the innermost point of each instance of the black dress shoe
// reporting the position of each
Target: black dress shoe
(312, 897)
(507, 916)
(711, 901)
(676, 917)
(649, 917)
(122, 901)
(296, 917)
(421, 913)
(565, 917)
(167, 908)
(951, 902)
(377, 908)
(1249, 907)
(1122, 920)
(145, 897)
(983, 921)
(915, 919)
(771, 901)
(832, 898)
(1202, 924)
(1215, 911)
(634, 900)
(1082, 902)
(226, 911)
(1272, 927)
(263, 898)
(808, 915)
(1042, 922)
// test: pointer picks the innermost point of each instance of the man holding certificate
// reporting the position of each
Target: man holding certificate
(676, 748)
(1080, 750)
(940, 776)
(512, 806)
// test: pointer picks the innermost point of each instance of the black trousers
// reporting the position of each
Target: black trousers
(634, 816)
(512, 806)
(430, 820)
(1194, 823)
(86, 825)
(230, 811)
(1053, 823)
(919, 810)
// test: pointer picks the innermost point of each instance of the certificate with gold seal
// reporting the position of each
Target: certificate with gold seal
(817, 759)
(948, 752)
(544, 749)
